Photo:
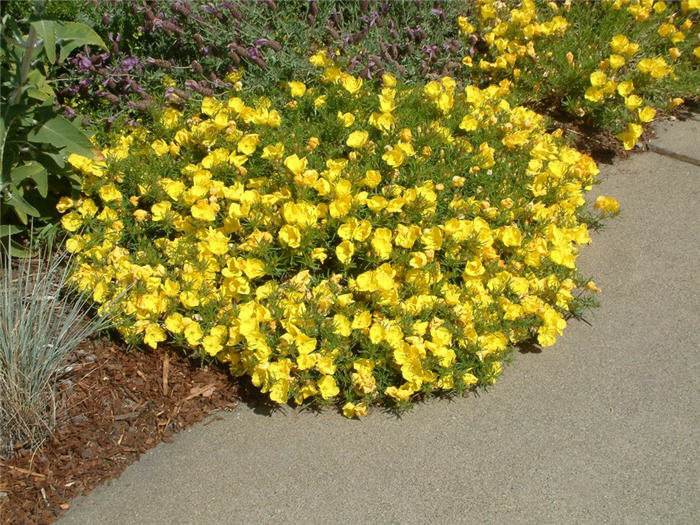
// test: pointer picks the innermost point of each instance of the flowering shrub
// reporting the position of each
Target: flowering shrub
(608, 64)
(358, 243)
(350, 240)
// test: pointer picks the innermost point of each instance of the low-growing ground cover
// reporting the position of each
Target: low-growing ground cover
(350, 203)
(363, 241)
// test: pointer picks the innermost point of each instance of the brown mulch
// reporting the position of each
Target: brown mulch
(113, 406)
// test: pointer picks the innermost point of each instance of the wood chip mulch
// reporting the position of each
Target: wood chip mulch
(113, 406)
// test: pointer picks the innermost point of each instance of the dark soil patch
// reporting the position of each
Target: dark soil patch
(113, 406)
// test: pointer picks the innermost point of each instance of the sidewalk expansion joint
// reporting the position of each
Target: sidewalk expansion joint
(672, 154)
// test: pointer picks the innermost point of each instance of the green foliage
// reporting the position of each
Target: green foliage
(41, 322)
(35, 140)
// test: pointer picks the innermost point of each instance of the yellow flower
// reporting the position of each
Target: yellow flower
(432, 238)
(357, 139)
(204, 211)
(607, 204)
(418, 260)
(295, 164)
(273, 151)
(64, 204)
(464, 26)
(389, 80)
(213, 343)
(402, 393)
(248, 143)
(372, 178)
(140, 215)
(350, 83)
(633, 102)
(189, 299)
(344, 251)
(71, 221)
(625, 88)
(170, 118)
(646, 114)
(510, 236)
(598, 78)
(174, 323)
(320, 101)
(619, 43)
(346, 119)
(328, 387)
(160, 210)
(319, 254)
(153, 335)
(616, 61)
(469, 123)
(469, 379)
(296, 89)
(110, 193)
(290, 235)
(160, 147)
(319, 59)
(593, 94)
(193, 333)
(381, 242)
(394, 157)
(216, 242)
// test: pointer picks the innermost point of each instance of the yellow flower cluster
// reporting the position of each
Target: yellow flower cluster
(616, 75)
(363, 249)
(518, 34)
(511, 33)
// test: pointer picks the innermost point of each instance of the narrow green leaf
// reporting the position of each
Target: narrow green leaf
(62, 133)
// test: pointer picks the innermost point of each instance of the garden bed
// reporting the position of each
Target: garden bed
(114, 405)
(379, 221)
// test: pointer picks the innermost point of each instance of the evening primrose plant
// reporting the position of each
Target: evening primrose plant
(610, 65)
(353, 243)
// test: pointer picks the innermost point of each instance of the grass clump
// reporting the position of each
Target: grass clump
(41, 322)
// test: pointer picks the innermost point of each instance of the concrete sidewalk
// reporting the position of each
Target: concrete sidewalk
(604, 427)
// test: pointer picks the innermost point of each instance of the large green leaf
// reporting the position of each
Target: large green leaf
(62, 133)
(73, 34)
(39, 89)
(46, 29)
(34, 171)
(22, 207)
(8, 229)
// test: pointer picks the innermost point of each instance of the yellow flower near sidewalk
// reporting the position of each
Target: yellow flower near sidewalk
(646, 114)
(607, 204)
(328, 387)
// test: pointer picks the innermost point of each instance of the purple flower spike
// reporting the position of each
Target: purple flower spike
(69, 113)
(129, 63)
